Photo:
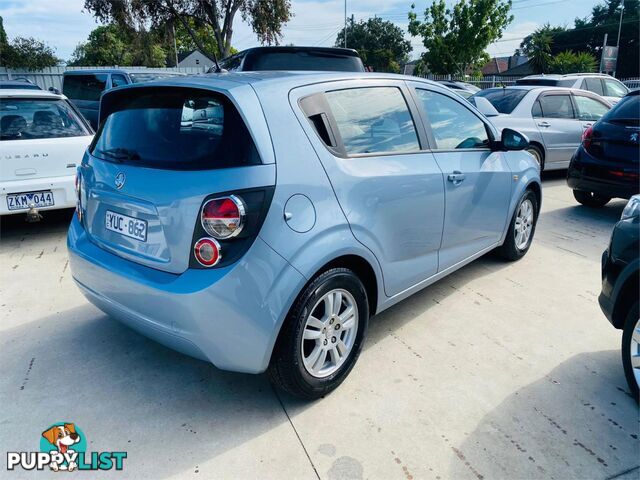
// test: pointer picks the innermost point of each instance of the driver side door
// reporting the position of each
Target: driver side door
(477, 180)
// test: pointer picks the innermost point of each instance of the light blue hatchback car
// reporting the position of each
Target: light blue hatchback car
(257, 220)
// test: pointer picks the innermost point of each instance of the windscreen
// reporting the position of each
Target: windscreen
(19, 86)
(625, 112)
(32, 118)
(84, 87)
(318, 61)
(503, 100)
(180, 129)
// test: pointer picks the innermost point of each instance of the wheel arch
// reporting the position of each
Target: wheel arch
(627, 295)
(537, 190)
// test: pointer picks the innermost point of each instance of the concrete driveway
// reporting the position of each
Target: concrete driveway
(500, 371)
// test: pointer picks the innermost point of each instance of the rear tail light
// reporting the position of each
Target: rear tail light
(223, 217)
(78, 196)
(587, 137)
(207, 252)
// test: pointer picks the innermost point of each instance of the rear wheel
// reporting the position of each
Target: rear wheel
(322, 337)
(631, 350)
(537, 154)
(521, 228)
(590, 199)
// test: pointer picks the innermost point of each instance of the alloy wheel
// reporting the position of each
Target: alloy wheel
(524, 224)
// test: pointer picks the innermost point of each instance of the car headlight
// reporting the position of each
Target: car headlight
(632, 209)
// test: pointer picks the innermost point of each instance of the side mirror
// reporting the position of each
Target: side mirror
(513, 140)
(485, 107)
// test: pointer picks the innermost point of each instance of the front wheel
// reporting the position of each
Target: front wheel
(322, 335)
(521, 228)
(589, 199)
(631, 350)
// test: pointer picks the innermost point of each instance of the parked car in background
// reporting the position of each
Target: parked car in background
(604, 85)
(553, 119)
(463, 89)
(293, 58)
(619, 296)
(84, 87)
(607, 163)
(632, 84)
(188, 235)
(19, 83)
(42, 139)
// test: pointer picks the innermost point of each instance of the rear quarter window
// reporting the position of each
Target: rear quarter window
(181, 129)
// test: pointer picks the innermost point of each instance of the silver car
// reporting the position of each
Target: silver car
(599, 83)
(553, 118)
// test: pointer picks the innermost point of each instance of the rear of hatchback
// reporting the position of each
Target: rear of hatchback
(171, 196)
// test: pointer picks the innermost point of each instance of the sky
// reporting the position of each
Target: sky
(62, 23)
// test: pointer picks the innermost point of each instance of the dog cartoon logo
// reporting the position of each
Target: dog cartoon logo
(62, 437)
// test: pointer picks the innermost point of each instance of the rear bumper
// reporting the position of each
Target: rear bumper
(602, 177)
(229, 316)
(63, 189)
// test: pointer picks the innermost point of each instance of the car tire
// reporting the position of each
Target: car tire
(589, 199)
(292, 361)
(537, 153)
(631, 323)
(515, 246)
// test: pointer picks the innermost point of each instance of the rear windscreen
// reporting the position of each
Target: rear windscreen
(178, 129)
(547, 82)
(84, 87)
(148, 77)
(31, 118)
(625, 112)
(503, 100)
(302, 61)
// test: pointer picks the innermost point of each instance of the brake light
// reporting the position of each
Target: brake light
(587, 137)
(223, 217)
(207, 252)
(78, 182)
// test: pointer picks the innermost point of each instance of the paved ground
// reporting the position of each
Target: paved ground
(499, 371)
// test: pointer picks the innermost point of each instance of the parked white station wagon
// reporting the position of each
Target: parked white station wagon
(42, 138)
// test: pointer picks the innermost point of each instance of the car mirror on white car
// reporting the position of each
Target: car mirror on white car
(485, 107)
(513, 140)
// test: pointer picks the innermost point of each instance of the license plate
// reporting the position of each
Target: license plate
(126, 225)
(22, 201)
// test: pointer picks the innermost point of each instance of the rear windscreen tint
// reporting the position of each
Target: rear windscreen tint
(32, 118)
(84, 87)
(502, 99)
(626, 111)
(302, 61)
(178, 129)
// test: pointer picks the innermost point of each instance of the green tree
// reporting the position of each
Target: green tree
(266, 17)
(379, 43)
(456, 38)
(29, 54)
(204, 34)
(570, 62)
(537, 47)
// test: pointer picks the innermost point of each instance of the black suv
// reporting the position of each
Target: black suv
(606, 164)
(619, 296)
(293, 58)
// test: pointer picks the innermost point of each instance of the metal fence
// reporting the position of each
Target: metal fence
(52, 76)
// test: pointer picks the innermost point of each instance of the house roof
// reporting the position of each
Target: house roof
(183, 55)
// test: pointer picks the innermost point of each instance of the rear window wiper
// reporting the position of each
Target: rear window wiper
(119, 153)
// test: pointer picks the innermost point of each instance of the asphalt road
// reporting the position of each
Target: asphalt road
(499, 371)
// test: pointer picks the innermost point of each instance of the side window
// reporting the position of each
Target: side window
(557, 106)
(536, 111)
(589, 109)
(614, 88)
(453, 125)
(593, 85)
(84, 87)
(373, 120)
(118, 80)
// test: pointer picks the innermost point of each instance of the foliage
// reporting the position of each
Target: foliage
(570, 62)
(456, 39)
(28, 53)
(379, 43)
(266, 17)
(204, 34)
(587, 35)
(537, 47)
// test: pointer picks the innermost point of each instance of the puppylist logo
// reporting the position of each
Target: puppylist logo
(63, 447)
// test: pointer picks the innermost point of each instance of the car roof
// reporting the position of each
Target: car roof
(29, 93)
(85, 71)
(557, 76)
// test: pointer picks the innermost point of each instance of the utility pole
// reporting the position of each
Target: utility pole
(619, 26)
(604, 45)
(345, 23)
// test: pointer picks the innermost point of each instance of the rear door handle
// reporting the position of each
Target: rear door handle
(456, 177)
(544, 124)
